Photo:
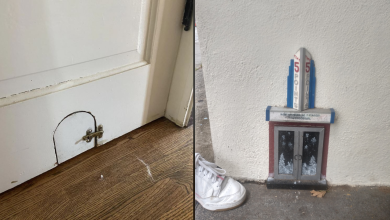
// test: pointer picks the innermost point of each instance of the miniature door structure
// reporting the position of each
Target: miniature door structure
(298, 153)
(299, 132)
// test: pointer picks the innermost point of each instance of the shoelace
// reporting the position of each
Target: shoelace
(213, 171)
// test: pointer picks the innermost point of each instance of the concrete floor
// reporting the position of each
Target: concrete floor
(340, 202)
(203, 143)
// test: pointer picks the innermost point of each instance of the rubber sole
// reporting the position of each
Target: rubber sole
(221, 210)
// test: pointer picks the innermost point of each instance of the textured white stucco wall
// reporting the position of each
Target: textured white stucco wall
(246, 49)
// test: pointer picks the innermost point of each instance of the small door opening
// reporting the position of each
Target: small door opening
(298, 153)
(68, 135)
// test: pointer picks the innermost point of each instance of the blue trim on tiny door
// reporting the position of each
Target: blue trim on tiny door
(290, 84)
(267, 113)
(312, 85)
(332, 115)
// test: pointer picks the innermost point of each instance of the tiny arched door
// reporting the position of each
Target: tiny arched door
(68, 137)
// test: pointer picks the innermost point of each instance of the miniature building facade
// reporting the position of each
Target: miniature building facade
(299, 132)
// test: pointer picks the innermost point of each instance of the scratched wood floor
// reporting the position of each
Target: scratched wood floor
(74, 189)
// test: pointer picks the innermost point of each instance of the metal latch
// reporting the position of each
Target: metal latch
(187, 15)
(89, 136)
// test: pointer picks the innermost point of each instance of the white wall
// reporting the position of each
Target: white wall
(246, 48)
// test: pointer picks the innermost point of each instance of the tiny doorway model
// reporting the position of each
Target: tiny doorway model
(77, 74)
(299, 133)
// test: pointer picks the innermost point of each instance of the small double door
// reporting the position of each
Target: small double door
(298, 153)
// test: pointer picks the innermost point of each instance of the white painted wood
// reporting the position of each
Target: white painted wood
(39, 37)
(164, 51)
(189, 108)
(65, 74)
(121, 99)
(179, 105)
(27, 147)
(65, 85)
(68, 135)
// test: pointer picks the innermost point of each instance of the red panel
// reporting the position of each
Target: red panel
(271, 147)
(272, 124)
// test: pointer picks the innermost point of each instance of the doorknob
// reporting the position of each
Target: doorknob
(299, 157)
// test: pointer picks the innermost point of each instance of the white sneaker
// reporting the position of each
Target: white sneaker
(214, 191)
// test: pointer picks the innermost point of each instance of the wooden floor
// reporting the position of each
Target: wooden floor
(75, 190)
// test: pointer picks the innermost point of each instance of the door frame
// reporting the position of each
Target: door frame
(180, 102)
(298, 150)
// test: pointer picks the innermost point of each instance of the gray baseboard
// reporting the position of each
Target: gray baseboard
(295, 184)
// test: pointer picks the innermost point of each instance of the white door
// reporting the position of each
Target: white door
(111, 59)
